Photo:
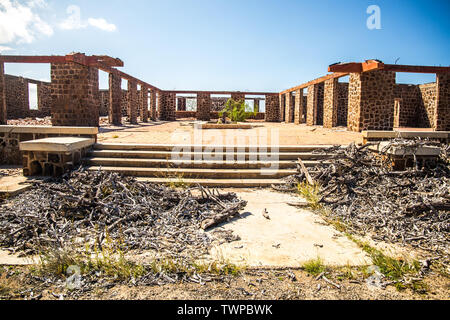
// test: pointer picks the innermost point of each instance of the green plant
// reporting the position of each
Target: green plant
(236, 111)
(311, 193)
(314, 267)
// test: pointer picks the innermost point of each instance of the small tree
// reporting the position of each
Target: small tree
(236, 111)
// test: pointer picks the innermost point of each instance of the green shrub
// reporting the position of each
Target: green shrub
(236, 111)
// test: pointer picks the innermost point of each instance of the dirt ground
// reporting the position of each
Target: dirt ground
(250, 285)
(182, 132)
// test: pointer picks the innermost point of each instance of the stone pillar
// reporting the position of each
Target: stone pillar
(181, 103)
(115, 99)
(256, 105)
(167, 106)
(144, 104)
(442, 116)
(3, 115)
(272, 108)
(238, 96)
(132, 109)
(153, 110)
(371, 101)
(282, 105)
(75, 95)
(311, 107)
(289, 108)
(204, 106)
(330, 105)
(299, 107)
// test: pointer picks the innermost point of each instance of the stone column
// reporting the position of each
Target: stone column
(132, 109)
(115, 99)
(282, 105)
(3, 115)
(167, 106)
(144, 104)
(311, 108)
(75, 95)
(272, 108)
(181, 103)
(256, 105)
(330, 105)
(371, 101)
(299, 107)
(153, 110)
(289, 108)
(442, 116)
(204, 106)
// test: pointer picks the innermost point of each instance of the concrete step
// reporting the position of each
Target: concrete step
(215, 183)
(193, 148)
(160, 163)
(193, 173)
(196, 155)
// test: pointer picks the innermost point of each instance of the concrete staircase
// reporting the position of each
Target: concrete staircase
(221, 167)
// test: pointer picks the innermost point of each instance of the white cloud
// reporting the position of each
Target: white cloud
(102, 24)
(4, 48)
(74, 21)
(20, 23)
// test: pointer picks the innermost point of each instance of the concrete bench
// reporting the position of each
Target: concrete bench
(12, 136)
(369, 136)
(53, 156)
(403, 157)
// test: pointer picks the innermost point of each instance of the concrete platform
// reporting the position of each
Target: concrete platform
(425, 151)
(57, 144)
(290, 238)
(13, 185)
(217, 183)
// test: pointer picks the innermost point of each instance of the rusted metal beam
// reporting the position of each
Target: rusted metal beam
(358, 67)
(79, 58)
(316, 81)
(415, 69)
(221, 92)
(126, 76)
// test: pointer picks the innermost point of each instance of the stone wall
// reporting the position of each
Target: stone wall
(342, 104)
(289, 108)
(371, 101)
(3, 113)
(153, 105)
(204, 106)
(75, 95)
(167, 106)
(428, 94)
(181, 104)
(44, 99)
(238, 96)
(330, 104)
(311, 105)
(282, 107)
(272, 108)
(132, 110)
(114, 101)
(410, 105)
(17, 100)
(144, 104)
(300, 107)
(443, 102)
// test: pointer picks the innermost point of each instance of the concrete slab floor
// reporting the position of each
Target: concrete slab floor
(291, 237)
(12, 182)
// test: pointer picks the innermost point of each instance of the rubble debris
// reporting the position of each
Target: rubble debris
(89, 207)
(360, 190)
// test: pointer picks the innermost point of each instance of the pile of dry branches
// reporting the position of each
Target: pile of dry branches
(410, 207)
(87, 208)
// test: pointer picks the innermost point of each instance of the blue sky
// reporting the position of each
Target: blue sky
(227, 45)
